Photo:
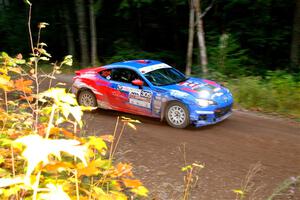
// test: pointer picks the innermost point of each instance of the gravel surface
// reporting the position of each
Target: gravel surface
(228, 150)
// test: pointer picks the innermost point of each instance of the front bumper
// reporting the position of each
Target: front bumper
(205, 118)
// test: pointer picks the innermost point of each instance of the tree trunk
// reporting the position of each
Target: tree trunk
(189, 56)
(93, 33)
(69, 32)
(295, 46)
(82, 32)
(200, 35)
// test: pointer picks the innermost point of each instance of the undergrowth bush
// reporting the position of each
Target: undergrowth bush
(278, 92)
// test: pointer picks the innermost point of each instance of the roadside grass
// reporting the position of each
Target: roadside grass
(275, 94)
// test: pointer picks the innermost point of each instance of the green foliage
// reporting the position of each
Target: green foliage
(227, 57)
(277, 92)
(125, 50)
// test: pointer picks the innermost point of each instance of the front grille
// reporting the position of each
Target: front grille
(220, 112)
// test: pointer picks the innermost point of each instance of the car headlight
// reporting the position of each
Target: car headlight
(205, 102)
(204, 94)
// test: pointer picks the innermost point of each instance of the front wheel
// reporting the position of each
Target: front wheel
(177, 115)
(87, 98)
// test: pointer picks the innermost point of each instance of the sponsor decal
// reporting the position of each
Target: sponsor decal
(218, 94)
(151, 68)
(193, 85)
(178, 94)
(140, 98)
(137, 96)
(128, 89)
(211, 83)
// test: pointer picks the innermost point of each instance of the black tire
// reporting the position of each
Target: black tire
(177, 115)
(87, 98)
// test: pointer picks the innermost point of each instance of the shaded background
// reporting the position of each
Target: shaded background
(261, 31)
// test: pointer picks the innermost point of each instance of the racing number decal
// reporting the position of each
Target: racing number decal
(142, 98)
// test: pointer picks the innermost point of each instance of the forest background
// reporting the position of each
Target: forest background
(252, 46)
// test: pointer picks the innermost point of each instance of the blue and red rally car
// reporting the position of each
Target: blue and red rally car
(154, 89)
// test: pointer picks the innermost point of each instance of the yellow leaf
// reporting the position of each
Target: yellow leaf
(124, 169)
(107, 138)
(43, 25)
(131, 125)
(15, 69)
(58, 166)
(240, 192)
(113, 195)
(132, 183)
(23, 85)
(126, 119)
(97, 143)
(90, 170)
(198, 165)
(141, 191)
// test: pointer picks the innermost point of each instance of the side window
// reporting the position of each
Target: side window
(106, 74)
(124, 75)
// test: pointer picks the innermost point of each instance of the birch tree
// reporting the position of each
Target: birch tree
(189, 57)
(295, 46)
(195, 11)
(93, 33)
(84, 60)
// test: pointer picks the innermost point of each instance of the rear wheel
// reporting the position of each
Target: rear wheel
(87, 98)
(177, 115)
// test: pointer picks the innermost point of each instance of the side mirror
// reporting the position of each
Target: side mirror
(137, 82)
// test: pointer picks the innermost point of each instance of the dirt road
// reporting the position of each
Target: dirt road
(227, 150)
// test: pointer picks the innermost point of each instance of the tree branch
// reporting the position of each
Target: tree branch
(208, 8)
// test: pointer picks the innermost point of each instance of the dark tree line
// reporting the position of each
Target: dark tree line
(263, 35)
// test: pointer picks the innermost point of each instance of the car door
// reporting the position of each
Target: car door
(128, 97)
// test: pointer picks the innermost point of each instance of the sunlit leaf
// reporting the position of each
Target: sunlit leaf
(44, 58)
(4, 182)
(15, 69)
(43, 25)
(77, 114)
(126, 119)
(27, 2)
(68, 60)
(198, 165)
(60, 83)
(188, 167)
(31, 71)
(56, 192)
(38, 149)
(42, 44)
(131, 125)
(69, 98)
(44, 52)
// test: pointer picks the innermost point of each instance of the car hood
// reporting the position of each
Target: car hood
(199, 88)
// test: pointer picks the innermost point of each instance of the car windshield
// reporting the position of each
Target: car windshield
(165, 76)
